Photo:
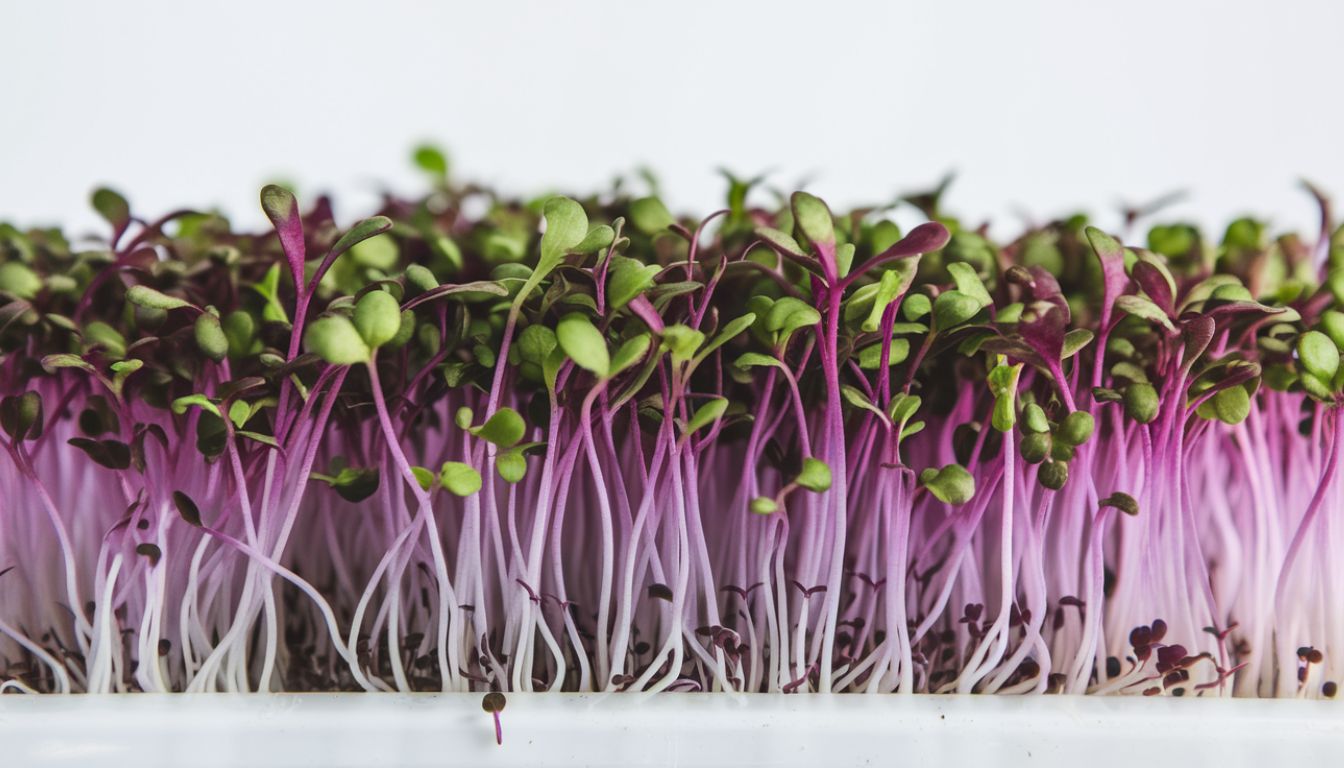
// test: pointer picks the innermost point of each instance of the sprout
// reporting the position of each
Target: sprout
(637, 452)
(494, 702)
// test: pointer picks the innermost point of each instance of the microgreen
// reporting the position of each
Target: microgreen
(477, 443)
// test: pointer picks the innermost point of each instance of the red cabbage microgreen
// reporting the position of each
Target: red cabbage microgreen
(593, 445)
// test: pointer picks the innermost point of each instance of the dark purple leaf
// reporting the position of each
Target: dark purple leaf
(1111, 255)
(283, 211)
(1155, 284)
(925, 238)
(1198, 332)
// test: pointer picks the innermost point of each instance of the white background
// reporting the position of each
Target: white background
(1041, 106)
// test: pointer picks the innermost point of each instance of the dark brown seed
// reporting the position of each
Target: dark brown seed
(1158, 631)
(493, 702)
(150, 551)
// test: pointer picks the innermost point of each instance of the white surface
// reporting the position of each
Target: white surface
(1041, 105)
(671, 729)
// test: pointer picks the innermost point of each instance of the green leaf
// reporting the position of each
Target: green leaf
(815, 475)
(915, 306)
(566, 227)
(423, 477)
(951, 485)
(952, 308)
(210, 336)
(1075, 340)
(240, 329)
(1076, 428)
(781, 241)
(405, 330)
(431, 160)
(1231, 405)
(599, 237)
(144, 296)
(1319, 355)
(650, 216)
(533, 346)
(968, 282)
(17, 279)
(1011, 313)
(259, 438)
(239, 413)
(511, 465)
(903, 407)
(857, 399)
(682, 342)
(1053, 475)
(584, 344)
(1146, 309)
(460, 479)
(707, 414)
(504, 428)
(870, 357)
(1320, 390)
(550, 367)
(753, 359)
(269, 289)
(112, 207)
(421, 279)
(475, 291)
(1002, 379)
(730, 331)
(377, 318)
(844, 258)
(100, 334)
(626, 279)
(1331, 323)
(181, 404)
(813, 218)
(631, 352)
(464, 417)
(763, 505)
(1036, 446)
(64, 360)
(335, 339)
(788, 315)
(1141, 402)
(1033, 419)
(893, 283)
(371, 249)
(1004, 415)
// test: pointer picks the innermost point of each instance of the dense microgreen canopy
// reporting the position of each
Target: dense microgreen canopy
(480, 443)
